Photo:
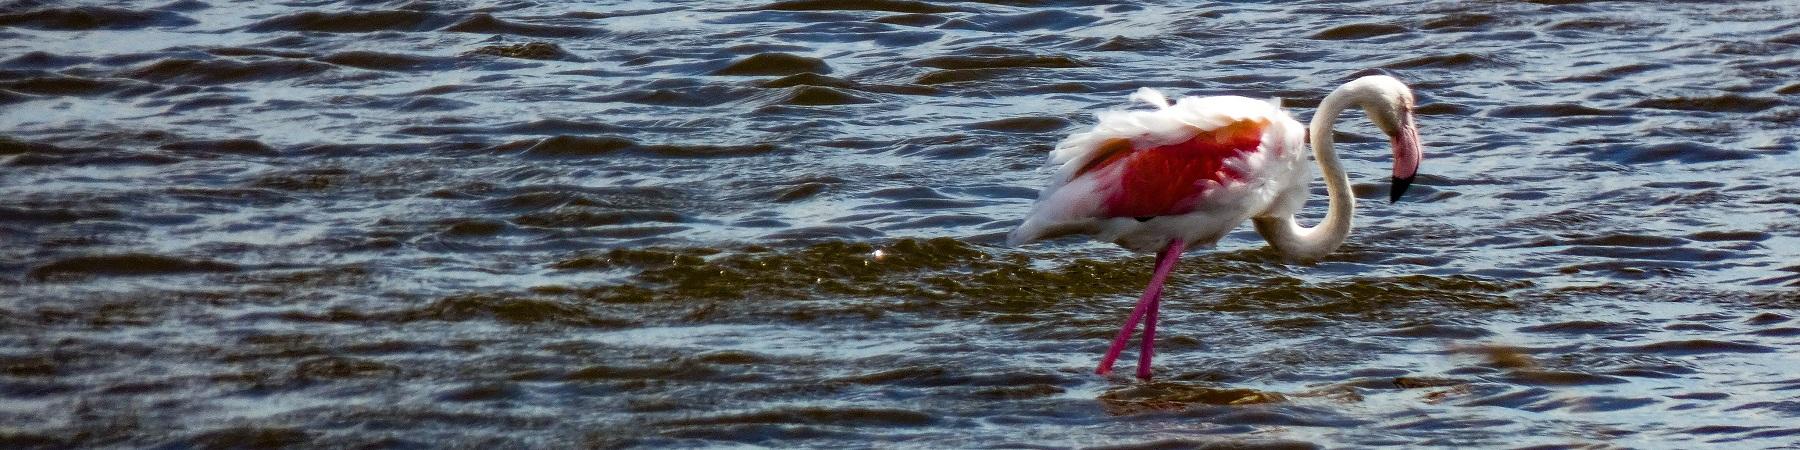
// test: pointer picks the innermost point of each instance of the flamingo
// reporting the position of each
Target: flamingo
(1185, 174)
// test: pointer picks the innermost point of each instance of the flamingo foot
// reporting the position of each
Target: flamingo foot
(1146, 306)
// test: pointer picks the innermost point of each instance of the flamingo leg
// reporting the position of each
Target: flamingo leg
(1147, 347)
(1146, 306)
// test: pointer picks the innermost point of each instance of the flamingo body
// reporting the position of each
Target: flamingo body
(1193, 170)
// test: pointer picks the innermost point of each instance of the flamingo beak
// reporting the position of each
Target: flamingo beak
(1399, 188)
(1406, 156)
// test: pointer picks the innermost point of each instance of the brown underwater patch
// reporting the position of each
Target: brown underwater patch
(1170, 396)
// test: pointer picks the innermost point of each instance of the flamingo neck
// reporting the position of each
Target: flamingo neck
(1284, 232)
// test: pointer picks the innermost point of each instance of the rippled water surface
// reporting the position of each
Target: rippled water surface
(492, 223)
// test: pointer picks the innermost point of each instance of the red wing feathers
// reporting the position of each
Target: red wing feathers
(1170, 179)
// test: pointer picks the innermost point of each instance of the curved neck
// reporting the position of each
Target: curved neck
(1284, 232)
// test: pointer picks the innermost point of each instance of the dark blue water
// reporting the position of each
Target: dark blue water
(690, 224)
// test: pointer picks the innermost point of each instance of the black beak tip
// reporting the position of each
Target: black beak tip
(1400, 185)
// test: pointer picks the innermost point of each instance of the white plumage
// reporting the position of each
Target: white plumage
(1072, 204)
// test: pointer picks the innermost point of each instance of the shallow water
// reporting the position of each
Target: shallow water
(503, 223)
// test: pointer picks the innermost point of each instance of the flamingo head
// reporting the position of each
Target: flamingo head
(1391, 108)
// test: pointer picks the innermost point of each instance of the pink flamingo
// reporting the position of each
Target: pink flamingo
(1185, 174)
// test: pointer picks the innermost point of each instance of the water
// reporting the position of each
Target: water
(498, 223)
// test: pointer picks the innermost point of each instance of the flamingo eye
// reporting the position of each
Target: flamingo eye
(1385, 119)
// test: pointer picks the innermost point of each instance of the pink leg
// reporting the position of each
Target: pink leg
(1148, 344)
(1145, 306)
